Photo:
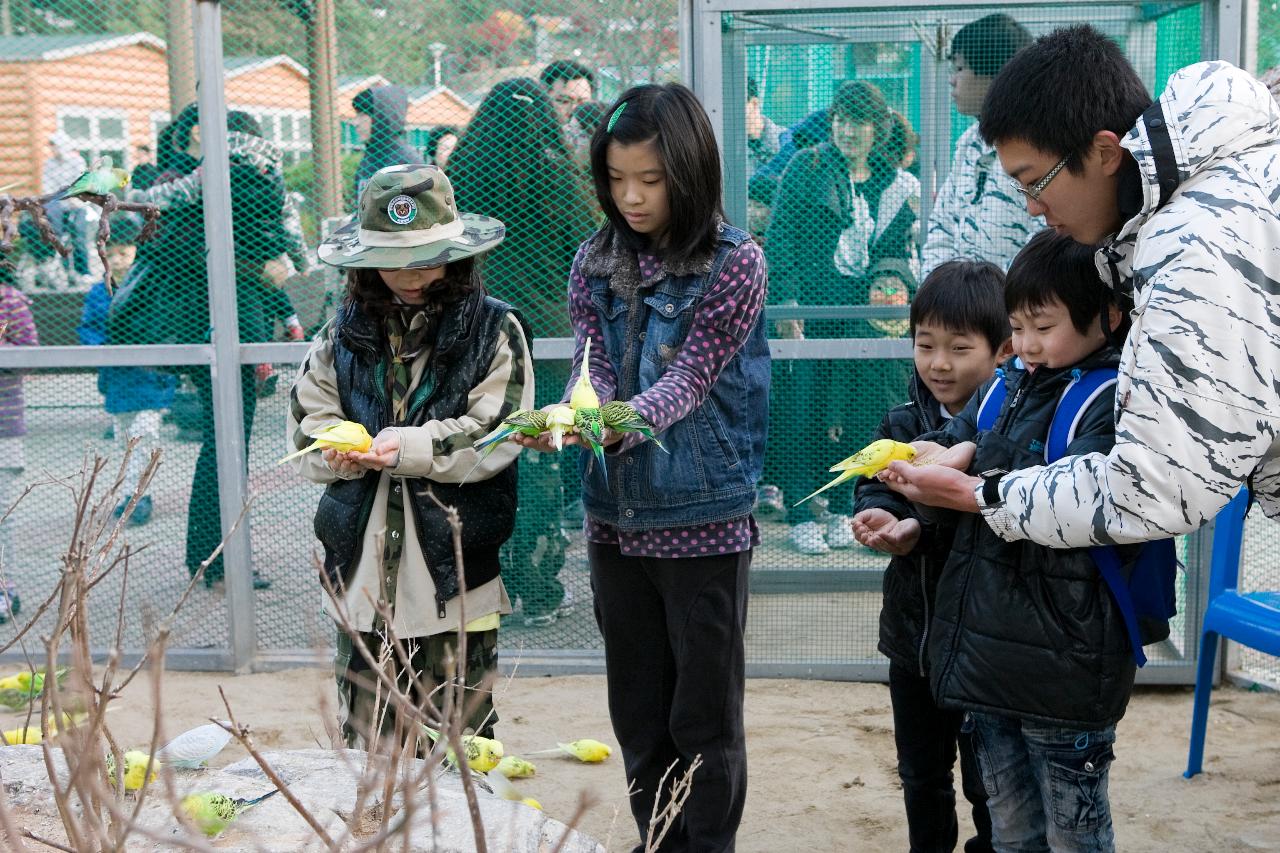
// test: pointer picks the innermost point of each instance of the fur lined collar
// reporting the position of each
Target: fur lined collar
(607, 257)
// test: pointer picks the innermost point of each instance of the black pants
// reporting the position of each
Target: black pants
(927, 738)
(204, 517)
(673, 646)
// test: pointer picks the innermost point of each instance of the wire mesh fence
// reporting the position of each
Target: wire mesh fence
(319, 94)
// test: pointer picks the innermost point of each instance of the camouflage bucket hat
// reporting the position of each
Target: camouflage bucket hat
(407, 219)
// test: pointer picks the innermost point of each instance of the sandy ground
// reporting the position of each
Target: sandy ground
(821, 757)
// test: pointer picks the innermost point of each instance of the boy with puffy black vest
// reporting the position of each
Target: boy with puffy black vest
(1029, 639)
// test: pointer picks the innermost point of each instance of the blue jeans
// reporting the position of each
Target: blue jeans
(1046, 785)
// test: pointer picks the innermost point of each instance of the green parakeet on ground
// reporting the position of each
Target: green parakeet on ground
(212, 813)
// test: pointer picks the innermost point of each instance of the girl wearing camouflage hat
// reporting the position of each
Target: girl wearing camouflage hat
(427, 362)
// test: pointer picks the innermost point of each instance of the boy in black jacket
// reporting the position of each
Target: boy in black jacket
(959, 332)
(1028, 639)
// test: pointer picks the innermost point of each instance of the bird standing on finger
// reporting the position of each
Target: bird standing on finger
(622, 417)
(343, 436)
(585, 403)
(867, 462)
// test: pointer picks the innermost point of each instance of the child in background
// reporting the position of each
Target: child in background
(136, 397)
(18, 330)
(671, 296)
(428, 363)
(960, 332)
(1026, 638)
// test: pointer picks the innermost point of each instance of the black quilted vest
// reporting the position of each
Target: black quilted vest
(464, 350)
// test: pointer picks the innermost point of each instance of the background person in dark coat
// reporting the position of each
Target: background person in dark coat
(382, 109)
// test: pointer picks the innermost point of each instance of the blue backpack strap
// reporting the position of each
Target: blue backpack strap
(1108, 563)
(1155, 571)
(1084, 388)
(989, 408)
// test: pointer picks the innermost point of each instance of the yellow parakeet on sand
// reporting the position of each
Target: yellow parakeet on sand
(584, 749)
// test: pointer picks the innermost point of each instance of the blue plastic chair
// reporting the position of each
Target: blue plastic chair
(1249, 618)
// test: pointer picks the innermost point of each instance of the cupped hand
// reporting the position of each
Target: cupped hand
(881, 530)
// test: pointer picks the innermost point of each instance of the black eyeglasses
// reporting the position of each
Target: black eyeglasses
(1034, 191)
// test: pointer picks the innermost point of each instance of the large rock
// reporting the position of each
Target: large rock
(325, 782)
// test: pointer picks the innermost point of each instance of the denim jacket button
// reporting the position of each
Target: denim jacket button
(631, 460)
(641, 336)
(631, 513)
(669, 309)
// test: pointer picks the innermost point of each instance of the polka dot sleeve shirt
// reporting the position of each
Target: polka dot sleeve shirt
(722, 321)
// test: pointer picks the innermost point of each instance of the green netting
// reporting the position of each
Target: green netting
(464, 80)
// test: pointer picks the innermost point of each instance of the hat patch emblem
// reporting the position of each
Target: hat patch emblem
(402, 209)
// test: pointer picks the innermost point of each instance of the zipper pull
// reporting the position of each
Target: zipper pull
(440, 607)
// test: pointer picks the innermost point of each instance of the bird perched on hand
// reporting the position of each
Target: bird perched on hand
(211, 813)
(194, 748)
(342, 436)
(559, 422)
(622, 417)
(585, 403)
(102, 178)
(867, 462)
(530, 422)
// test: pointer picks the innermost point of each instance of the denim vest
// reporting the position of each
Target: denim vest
(717, 451)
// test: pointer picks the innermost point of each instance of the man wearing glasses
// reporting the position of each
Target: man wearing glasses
(1180, 196)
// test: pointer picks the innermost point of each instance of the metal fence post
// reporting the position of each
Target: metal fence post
(227, 402)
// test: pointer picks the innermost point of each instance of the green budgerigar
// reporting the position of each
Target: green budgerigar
(585, 402)
(212, 813)
(102, 178)
(622, 417)
(529, 422)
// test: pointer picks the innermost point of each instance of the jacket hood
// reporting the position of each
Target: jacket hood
(1208, 112)
(386, 106)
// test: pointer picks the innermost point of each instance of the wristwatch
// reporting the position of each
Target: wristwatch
(989, 494)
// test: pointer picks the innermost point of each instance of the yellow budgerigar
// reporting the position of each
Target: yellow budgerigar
(212, 813)
(23, 734)
(343, 436)
(867, 462)
(136, 765)
(584, 749)
(23, 681)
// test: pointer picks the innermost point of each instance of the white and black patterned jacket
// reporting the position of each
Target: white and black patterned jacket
(1198, 401)
(977, 215)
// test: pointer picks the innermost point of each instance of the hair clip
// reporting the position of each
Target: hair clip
(613, 119)
(518, 97)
